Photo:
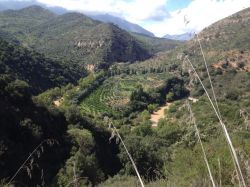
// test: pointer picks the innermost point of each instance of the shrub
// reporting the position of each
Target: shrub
(82, 165)
(232, 95)
(170, 97)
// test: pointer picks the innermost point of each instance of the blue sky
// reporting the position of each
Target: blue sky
(177, 4)
(158, 16)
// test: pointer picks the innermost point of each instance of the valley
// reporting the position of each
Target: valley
(79, 97)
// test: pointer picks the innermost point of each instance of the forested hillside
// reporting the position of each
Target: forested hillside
(74, 37)
(38, 71)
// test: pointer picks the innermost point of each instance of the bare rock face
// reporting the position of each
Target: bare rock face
(89, 44)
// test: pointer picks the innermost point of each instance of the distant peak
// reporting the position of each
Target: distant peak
(35, 10)
(121, 23)
(181, 37)
(78, 16)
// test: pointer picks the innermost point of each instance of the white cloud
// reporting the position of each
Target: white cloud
(132, 10)
(153, 16)
(199, 13)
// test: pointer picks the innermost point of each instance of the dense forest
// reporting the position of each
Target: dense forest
(73, 115)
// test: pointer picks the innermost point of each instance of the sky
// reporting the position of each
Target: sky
(159, 16)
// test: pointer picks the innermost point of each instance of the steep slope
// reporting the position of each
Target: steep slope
(39, 72)
(85, 40)
(118, 45)
(231, 32)
(19, 22)
(123, 24)
(73, 37)
(225, 43)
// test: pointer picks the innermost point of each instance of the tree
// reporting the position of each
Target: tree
(139, 99)
(152, 108)
(145, 152)
(82, 168)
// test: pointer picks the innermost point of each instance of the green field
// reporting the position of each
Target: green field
(114, 93)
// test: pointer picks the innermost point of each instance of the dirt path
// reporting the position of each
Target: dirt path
(156, 116)
(194, 100)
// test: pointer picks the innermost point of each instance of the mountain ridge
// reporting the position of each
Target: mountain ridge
(74, 37)
(123, 24)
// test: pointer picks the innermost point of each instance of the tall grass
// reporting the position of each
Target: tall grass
(38, 150)
(199, 139)
(226, 134)
(219, 167)
(209, 77)
(235, 159)
(246, 117)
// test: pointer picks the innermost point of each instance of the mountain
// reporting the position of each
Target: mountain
(226, 43)
(77, 37)
(106, 18)
(180, 37)
(71, 36)
(39, 72)
(123, 24)
(228, 33)
(19, 22)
